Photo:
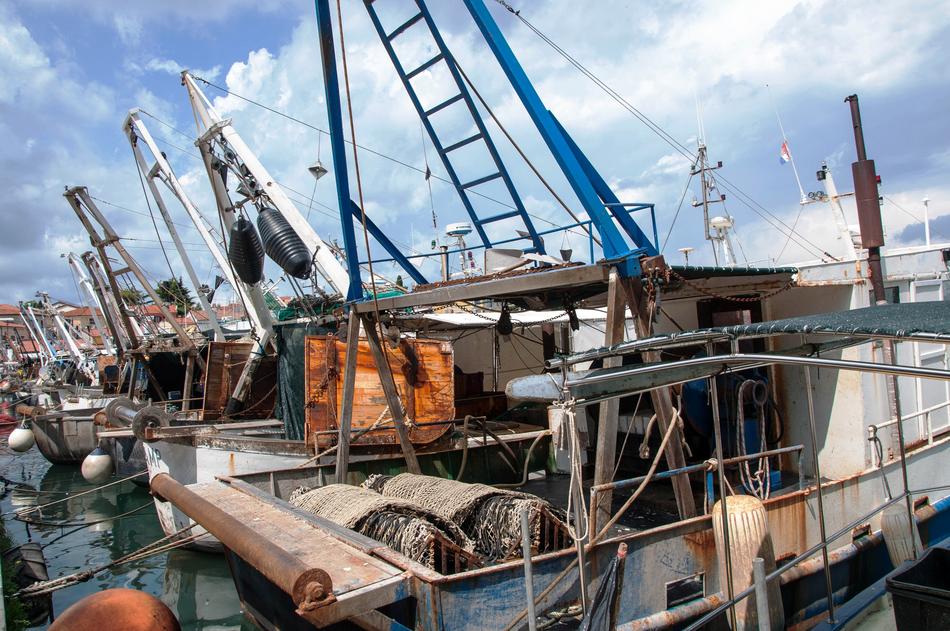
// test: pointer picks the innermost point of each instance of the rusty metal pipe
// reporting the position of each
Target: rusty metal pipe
(310, 588)
(672, 617)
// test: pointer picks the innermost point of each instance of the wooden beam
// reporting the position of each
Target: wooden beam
(641, 306)
(609, 411)
(556, 279)
(189, 383)
(346, 406)
(392, 395)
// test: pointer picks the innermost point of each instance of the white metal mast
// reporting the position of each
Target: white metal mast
(67, 338)
(258, 313)
(42, 333)
(791, 157)
(92, 301)
(39, 340)
(132, 133)
(209, 125)
(111, 309)
(213, 128)
(845, 233)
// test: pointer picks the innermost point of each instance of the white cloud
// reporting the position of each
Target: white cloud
(812, 52)
(129, 28)
(172, 67)
(668, 164)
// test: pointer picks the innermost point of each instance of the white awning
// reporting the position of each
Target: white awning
(524, 318)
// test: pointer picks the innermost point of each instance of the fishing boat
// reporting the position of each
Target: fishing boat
(839, 516)
(772, 433)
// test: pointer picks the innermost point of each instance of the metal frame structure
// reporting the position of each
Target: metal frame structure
(92, 301)
(349, 210)
(36, 333)
(72, 348)
(90, 216)
(111, 306)
(135, 131)
(224, 151)
(481, 134)
(593, 388)
(588, 186)
(596, 197)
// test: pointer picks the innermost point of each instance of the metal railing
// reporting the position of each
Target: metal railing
(735, 360)
(588, 235)
(709, 467)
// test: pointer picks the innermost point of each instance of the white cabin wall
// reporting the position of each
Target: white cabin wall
(840, 397)
(518, 357)
(683, 311)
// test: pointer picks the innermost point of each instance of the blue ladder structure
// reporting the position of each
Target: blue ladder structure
(591, 189)
(444, 150)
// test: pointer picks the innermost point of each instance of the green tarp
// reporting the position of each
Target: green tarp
(290, 375)
(917, 320)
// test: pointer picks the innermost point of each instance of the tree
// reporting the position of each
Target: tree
(173, 291)
(132, 296)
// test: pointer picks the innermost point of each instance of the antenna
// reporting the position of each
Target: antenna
(711, 193)
(926, 202)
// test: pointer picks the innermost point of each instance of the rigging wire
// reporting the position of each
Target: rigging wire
(428, 178)
(151, 214)
(902, 209)
(136, 212)
(329, 212)
(524, 157)
(768, 216)
(359, 182)
(679, 207)
(360, 147)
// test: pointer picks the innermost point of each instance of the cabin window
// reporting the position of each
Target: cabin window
(892, 295)
(685, 590)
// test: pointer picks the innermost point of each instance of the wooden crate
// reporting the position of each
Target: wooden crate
(422, 370)
(224, 366)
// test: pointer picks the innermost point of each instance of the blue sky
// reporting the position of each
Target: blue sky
(71, 70)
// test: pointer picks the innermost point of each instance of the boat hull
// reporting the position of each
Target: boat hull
(66, 440)
(491, 597)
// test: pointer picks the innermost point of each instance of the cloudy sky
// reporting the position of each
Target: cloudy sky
(71, 71)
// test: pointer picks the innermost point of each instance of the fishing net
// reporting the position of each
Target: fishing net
(401, 525)
(491, 517)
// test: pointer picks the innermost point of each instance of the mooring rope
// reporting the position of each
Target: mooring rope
(758, 483)
(156, 547)
(64, 524)
(25, 511)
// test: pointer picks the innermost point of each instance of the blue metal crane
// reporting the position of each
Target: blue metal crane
(623, 242)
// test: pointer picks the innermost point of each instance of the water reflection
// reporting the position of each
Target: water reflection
(196, 586)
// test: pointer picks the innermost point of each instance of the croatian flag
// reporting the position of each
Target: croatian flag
(785, 155)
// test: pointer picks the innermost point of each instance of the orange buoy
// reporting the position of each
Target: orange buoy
(125, 609)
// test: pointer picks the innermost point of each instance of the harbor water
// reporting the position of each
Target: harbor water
(104, 526)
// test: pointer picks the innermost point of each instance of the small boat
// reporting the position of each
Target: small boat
(29, 567)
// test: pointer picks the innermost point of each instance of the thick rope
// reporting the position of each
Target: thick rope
(758, 483)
